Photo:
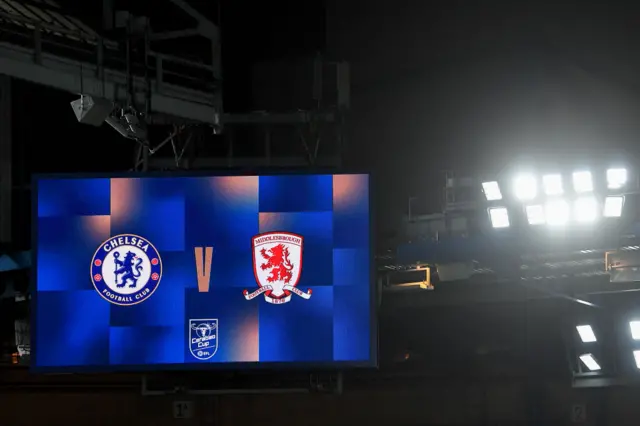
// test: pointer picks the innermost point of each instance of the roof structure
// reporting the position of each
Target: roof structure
(43, 44)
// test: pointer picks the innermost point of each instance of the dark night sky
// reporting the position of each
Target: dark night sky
(436, 84)
(476, 85)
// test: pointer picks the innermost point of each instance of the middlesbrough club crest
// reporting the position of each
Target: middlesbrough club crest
(126, 269)
(277, 266)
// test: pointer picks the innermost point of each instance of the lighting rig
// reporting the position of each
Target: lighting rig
(604, 346)
(557, 199)
(527, 224)
(552, 209)
(588, 351)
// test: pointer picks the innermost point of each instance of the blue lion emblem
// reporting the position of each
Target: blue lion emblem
(127, 270)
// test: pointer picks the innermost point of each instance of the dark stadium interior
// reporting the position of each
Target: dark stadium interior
(475, 325)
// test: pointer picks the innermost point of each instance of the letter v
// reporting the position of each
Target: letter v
(203, 267)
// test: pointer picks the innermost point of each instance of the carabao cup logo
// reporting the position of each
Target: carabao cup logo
(203, 338)
(126, 269)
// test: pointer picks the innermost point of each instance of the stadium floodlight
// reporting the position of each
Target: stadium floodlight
(613, 206)
(590, 362)
(492, 191)
(535, 214)
(582, 182)
(586, 209)
(557, 212)
(499, 217)
(616, 178)
(636, 357)
(635, 329)
(552, 184)
(586, 333)
(526, 187)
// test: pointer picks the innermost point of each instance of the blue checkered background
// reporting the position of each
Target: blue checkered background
(75, 328)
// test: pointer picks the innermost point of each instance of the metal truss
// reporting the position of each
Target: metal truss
(309, 131)
(43, 44)
(48, 47)
(507, 276)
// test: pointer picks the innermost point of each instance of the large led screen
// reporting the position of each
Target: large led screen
(192, 272)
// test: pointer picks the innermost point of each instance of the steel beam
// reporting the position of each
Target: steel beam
(458, 294)
(206, 28)
(76, 77)
(605, 382)
(300, 117)
(5, 159)
(170, 35)
(222, 162)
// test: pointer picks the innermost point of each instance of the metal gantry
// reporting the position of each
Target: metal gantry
(466, 262)
(46, 46)
(42, 44)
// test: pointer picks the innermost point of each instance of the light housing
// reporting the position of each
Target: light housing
(636, 357)
(535, 214)
(499, 217)
(586, 333)
(634, 326)
(616, 178)
(525, 187)
(613, 206)
(552, 184)
(590, 362)
(577, 198)
(557, 212)
(582, 182)
(586, 209)
(492, 191)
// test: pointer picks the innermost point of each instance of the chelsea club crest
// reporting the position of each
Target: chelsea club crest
(126, 269)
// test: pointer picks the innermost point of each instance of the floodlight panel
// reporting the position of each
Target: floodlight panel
(582, 182)
(613, 206)
(535, 214)
(616, 178)
(586, 333)
(635, 329)
(557, 212)
(492, 191)
(499, 217)
(552, 184)
(590, 362)
(636, 357)
(586, 209)
(525, 187)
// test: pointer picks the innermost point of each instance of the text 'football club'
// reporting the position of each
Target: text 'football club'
(126, 269)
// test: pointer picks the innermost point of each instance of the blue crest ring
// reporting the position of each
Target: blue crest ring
(146, 290)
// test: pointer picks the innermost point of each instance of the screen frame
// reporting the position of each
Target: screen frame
(374, 291)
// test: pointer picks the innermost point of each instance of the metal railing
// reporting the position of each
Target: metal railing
(104, 54)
